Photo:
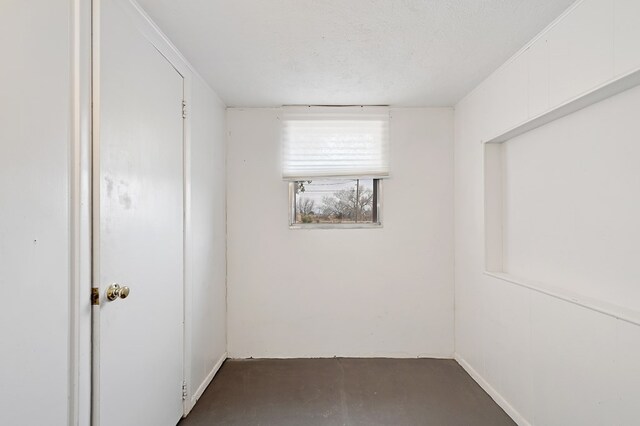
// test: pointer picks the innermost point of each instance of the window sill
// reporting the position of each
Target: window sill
(336, 226)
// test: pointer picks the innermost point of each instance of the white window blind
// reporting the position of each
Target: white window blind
(335, 142)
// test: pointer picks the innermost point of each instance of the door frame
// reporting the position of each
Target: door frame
(85, 46)
(80, 215)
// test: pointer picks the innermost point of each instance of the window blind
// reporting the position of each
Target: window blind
(335, 142)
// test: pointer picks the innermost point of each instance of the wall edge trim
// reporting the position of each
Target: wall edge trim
(494, 394)
(206, 382)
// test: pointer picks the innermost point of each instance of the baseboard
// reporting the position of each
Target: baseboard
(196, 396)
(392, 355)
(512, 412)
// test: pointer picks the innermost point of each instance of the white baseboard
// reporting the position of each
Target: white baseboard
(512, 412)
(377, 355)
(196, 396)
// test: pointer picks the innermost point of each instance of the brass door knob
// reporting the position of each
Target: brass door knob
(115, 291)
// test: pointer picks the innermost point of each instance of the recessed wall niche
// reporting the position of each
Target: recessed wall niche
(562, 206)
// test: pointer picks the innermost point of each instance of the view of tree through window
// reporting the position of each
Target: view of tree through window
(336, 201)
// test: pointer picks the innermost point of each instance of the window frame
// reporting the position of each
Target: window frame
(377, 182)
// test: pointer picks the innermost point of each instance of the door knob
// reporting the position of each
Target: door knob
(114, 291)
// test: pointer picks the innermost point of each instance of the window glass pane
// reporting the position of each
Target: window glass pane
(335, 201)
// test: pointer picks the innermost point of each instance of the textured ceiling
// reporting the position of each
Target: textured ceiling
(337, 52)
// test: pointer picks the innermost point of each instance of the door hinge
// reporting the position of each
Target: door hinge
(184, 390)
(95, 296)
(184, 109)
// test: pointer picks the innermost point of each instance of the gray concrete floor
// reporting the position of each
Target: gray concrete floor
(344, 391)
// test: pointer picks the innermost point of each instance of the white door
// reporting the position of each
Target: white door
(138, 226)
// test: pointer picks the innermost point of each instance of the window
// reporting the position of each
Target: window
(335, 201)
(335, 159)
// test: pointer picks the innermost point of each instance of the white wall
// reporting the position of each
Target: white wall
(570, 205)
(549, 361)
(206, 262)
(35, 222)
(360, 292)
